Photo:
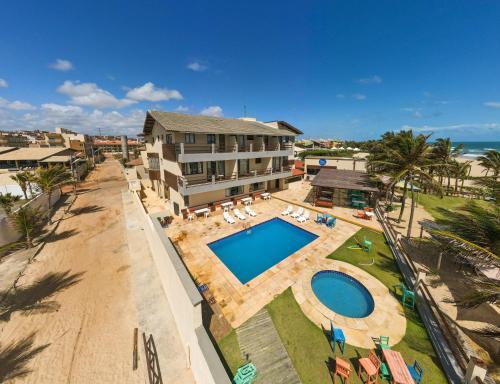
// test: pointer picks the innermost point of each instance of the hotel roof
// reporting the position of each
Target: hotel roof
(179, 122)
(33, 154)
(343, 179)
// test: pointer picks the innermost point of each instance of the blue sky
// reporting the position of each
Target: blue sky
(344, 69)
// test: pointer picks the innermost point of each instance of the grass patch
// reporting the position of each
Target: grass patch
(307, 345)
(433, 203)
(231, 350)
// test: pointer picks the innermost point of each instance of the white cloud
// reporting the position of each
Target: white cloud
(492, 104)
(149, 92)
(340, 96)
(474, 127)
(213, 110)
(3, 83)
(74, 117)
(16, 105)
(197, 67)
(89, 94)
(375, 79)
(359, 96)
(182, 108)
(62, 65)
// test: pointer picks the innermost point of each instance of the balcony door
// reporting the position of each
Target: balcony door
(211, 169)
(222, 143)
(276, 163)
(243, 167)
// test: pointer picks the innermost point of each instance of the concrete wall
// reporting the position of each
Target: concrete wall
(8, 233)
(185, 304)
(339, 162)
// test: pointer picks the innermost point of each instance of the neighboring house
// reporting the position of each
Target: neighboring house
(13, 140)
(202, 160)
(115, 146)
(76, 141)
(312, 164)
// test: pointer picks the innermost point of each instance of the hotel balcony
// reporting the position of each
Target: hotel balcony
(192, 186)
(188, 153)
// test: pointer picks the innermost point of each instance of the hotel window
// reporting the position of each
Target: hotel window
(258, 160)
(168, 139)
(256, 186)
(234, 191)
(193, 168)
(189, 138)
(210, 139)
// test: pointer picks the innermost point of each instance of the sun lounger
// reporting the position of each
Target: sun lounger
(287, 211)
(238, 214)
(229, 218)
(250, 211)
(303, 218)
(297, 213)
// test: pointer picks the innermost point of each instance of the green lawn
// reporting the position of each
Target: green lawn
(231, 351)
(307, 345)
(432, 203)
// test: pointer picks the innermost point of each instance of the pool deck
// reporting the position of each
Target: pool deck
(387, 318)
(238, 302)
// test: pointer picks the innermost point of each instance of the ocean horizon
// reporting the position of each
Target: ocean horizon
(473, 149)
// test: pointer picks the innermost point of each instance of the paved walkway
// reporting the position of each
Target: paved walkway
(260, 343)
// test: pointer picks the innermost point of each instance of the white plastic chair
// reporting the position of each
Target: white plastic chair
(238, 214)
(304, 217)
(287, 211)
(297, 213)
(250, 211)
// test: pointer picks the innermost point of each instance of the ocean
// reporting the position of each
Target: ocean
(473, 149)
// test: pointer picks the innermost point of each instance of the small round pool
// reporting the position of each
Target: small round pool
(342, 294)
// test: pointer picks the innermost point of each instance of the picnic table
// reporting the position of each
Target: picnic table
(205, 211)
(396, 364)
(247, 200)
(266, 195)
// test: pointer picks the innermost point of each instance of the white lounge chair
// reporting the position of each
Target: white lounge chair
(287, 211)
(250, 211)
(304, 217)
(229, 218)
(297, 213)
(238, 214)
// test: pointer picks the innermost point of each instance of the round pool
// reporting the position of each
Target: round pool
(342, 294)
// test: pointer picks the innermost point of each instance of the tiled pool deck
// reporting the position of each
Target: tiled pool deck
(387, 318)
(238, 302)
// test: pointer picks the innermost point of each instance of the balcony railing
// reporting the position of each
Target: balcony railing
(171, 151)
(185, 182)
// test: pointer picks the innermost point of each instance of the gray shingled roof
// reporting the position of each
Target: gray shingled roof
(208, 124)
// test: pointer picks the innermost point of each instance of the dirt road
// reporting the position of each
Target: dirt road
(87, 326)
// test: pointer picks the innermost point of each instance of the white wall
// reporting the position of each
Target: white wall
(185, 304)
(8, 234)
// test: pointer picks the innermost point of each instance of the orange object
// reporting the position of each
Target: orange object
(361, 214)
(370, 365)
(399, 371)
(343, 369)
(368, 209)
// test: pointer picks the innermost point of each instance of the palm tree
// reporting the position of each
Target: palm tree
(459, 171)
(490, 161)
(7, 202)
(50, 178)
(25, 220)
(407, 158)
(443, 152)
(21, 179)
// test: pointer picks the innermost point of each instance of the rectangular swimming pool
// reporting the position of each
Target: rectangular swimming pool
(254, 250)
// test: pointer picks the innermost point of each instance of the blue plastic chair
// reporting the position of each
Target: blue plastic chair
(331, 222)
(319, 218)
(337, 336)
(245, 374)
(416, 372)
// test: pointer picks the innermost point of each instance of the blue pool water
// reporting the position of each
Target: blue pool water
(252, 251)
(342, 293)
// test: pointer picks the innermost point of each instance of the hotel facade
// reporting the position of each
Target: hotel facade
(201, 161)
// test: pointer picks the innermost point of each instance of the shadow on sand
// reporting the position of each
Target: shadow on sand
(34, 298)
(87, 209)
(15, 357)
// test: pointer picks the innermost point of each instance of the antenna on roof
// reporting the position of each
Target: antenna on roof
(244, 111)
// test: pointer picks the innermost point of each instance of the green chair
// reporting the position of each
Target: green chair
(408, 298)
(400, 286)
(384, 372)
(383, 342)
(367, 245)
(245, 374)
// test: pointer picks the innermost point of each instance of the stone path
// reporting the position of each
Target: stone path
(260, 343)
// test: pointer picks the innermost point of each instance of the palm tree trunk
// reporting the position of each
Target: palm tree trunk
(403, 201)
(448, 186)
(412, 212)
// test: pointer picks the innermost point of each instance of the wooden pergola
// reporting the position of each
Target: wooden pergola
(342, 187)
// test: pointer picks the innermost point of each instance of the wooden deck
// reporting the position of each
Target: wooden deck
(260, 343)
